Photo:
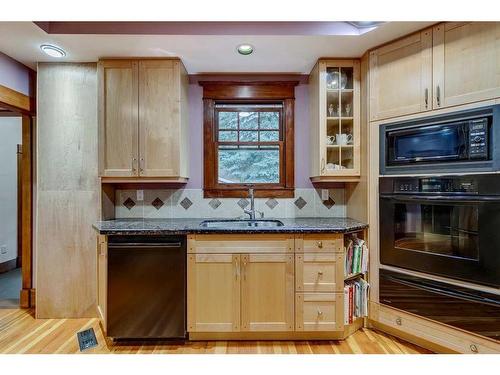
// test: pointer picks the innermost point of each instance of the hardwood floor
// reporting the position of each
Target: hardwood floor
(20, 332)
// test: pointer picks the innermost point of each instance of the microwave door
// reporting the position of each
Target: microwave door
(427, 144)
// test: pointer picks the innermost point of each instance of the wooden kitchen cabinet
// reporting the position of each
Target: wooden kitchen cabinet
(102, 280)
(334, 96)
(401, 77)
(143, 118)
(267, 292)
(319, 312)
(466, 62)
(118, 117)
(319, 272)
(213, 293)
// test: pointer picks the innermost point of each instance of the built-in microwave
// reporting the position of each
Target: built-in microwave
(466, 141)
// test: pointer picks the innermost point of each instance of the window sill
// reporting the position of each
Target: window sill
(243, 193)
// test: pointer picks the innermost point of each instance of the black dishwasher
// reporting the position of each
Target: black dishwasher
(146, 287)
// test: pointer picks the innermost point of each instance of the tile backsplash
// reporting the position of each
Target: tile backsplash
(189, 203)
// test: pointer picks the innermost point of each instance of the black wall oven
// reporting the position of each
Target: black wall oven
(448, 226)
(464, 141)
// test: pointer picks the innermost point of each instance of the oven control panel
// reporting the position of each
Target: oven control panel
(478, 139)
(435, 185)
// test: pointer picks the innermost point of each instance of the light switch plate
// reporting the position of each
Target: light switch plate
(324, 195)
(3, 249)
(140, 195)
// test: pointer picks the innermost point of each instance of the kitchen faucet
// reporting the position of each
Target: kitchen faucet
(251, 211)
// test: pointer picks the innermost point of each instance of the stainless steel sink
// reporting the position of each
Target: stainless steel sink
(261, 223)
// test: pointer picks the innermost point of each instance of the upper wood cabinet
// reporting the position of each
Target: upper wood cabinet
(451, 64)
(143, 118)
(335, 112)
(118, 118)
(466, 62)
(401, 77)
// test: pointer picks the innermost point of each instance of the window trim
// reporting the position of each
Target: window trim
(246, 93)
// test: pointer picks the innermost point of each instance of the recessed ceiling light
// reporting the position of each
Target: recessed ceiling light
(364, 24)
(245, 49)
(52, 51)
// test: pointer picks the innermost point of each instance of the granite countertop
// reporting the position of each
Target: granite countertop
(192, 226)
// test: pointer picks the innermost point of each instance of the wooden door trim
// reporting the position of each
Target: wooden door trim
(15, 100)
(26, 300)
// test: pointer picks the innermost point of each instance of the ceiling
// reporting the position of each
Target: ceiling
(202, 53)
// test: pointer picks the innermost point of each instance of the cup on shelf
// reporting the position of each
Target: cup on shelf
(330, 139)
(343, 139)
(333, 167)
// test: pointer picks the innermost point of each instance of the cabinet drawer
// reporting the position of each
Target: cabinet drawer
(320, 243)
(318, 272)
(318, 312)
(240, 243)
(444, 337)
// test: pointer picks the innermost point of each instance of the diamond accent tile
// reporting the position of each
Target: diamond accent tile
(186, 203)
(271, 203)
(300, 203)
(214, 203)
(329, 203)
(129, 203)
(243, 203)
(157, 203)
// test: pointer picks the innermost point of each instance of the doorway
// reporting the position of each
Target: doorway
(10, 208)
(19, 109)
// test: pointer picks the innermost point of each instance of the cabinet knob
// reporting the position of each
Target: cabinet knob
(320, 244)
(399, 321)
(473, 348)
(320, 273)
(320, 313)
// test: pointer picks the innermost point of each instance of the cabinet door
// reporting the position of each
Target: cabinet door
(466, 59)
(102, 280)
(267, 292)
(213, 293)
(118, 105)
(401, 77)
(159, 118)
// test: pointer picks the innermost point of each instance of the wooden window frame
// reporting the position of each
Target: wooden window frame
(247, 93)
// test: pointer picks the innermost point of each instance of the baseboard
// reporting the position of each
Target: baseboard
(8, 265)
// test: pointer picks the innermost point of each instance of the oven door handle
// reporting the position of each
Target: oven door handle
(443, 198)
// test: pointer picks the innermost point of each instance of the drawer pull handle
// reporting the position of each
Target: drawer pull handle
(473, 348)
(320, 273)
(320, 313)
(399, 321)
(320, 244)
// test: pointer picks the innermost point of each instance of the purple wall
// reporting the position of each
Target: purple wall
(301, 137)
(14, 75)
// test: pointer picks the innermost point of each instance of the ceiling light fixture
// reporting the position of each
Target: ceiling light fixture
(53, 51)
(365, 24)
(245, 49)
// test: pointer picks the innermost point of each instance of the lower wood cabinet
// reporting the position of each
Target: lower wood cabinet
(267, 292)
(102, 280)
(319, 312)
(247, 292)
(266, 286)
(213, 292)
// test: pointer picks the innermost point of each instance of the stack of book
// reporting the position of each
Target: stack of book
(356, 257)
(355, 300)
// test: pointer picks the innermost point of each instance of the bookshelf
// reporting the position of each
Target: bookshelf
(356, 286)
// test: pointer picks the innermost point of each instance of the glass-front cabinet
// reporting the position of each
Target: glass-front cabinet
(334, 112)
